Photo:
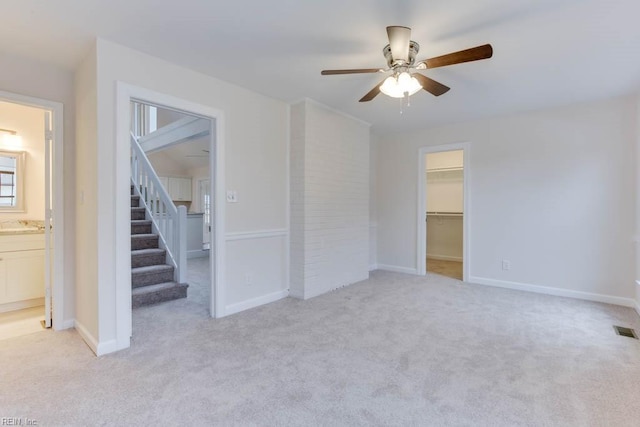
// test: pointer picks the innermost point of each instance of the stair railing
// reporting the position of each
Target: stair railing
(169, 221)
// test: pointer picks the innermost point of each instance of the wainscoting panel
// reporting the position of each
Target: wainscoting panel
(256, 267)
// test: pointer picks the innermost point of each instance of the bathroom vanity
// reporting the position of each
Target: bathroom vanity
(22, 258)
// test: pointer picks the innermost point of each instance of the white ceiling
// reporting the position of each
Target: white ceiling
(546, 52)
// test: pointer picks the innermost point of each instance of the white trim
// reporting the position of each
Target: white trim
(175, 133)
(126, 92)
(259, 234)
(547, 290)
(296, 295)
(444, 257)
(326, 107)
(59, 277)
(398, 269)
(373, 267)
(21, 305)
(86, 336)
(68, 324)
(421, 251)
(287, 201)
(637, 303)
(255, 302)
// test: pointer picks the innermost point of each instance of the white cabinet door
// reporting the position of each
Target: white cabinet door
(180, 189)
(22, 275)
(185, 189)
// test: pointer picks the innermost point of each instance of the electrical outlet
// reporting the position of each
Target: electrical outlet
(232, 196)
(506, 264)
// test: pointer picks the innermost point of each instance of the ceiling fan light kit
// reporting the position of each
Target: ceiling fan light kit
(400, 55)
(400, 85)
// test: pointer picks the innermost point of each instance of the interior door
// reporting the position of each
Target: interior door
(48, 213)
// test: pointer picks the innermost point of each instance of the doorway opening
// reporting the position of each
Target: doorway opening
(444, 174)
(443, 211)
(31, 211)
(125, 94)
(178, 146)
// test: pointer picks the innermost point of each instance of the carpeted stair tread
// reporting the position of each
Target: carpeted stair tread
(151, 275)
(138, 213)
(151, 268)
(144, 241)
(161, 292)
(149, 251)
(140, 226)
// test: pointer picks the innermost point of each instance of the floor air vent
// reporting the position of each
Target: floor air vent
(625, 332)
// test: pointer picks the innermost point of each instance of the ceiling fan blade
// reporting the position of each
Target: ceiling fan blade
(354, 71)
(372, 93)
(467, 55)
(433, 87)
(399, 38)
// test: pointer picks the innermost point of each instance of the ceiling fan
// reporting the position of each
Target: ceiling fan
(400, 54)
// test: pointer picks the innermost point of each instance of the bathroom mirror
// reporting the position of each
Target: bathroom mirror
(12, 181)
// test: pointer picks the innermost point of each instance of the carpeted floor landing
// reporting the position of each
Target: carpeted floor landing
(392, 350)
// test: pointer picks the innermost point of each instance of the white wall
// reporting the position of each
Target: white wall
(373, 198)
(87, 201)
(28, 122)
(164, 165)
(637, 237)
(551, 191)
(256, 167)
(32, 78)
(330, 200)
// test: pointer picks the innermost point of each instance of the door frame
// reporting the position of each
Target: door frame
(57, 216)
(422, 204)
(125, 94)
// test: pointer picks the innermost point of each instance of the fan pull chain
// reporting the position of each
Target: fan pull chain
(405, 102)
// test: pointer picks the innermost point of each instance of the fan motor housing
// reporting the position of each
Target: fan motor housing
(414, 48)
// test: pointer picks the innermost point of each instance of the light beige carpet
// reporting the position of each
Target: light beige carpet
(392, 350)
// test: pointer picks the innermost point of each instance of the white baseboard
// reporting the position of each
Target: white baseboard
(255, 302)
(637, 303)
(21, 305)
(373, 267)
(86, 336)
(99, 348)
(444, 257)
(607, 299)
(398, 269)
(296, 295)
(68, 324)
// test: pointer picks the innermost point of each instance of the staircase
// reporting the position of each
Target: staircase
(152, 279)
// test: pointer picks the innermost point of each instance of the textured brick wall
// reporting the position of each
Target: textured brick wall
(329, 200)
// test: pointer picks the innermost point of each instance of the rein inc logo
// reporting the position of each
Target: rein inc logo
(17, 421)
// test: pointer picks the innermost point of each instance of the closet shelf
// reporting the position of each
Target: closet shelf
(453, 214)
(451, 169)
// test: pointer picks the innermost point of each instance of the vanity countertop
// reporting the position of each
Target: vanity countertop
(21, 226)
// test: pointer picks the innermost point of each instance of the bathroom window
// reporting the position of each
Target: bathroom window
(7, 187)
(11, 180)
